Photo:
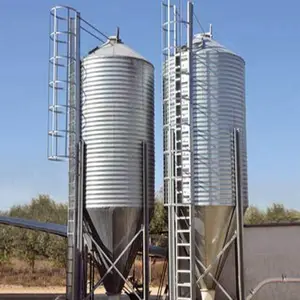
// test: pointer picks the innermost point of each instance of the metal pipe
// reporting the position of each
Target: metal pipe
(80, 187)
(85, 270)
(77, 276)
(239, 218)
(190, 29)
(172, 235)
(72, 207)
(145, 225)
(68, 77)
(282, 279)
(93, 27)
(92, 276)
(78, 79)
(170, 194)
(55, 78)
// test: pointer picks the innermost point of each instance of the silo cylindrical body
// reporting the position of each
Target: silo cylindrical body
(218, 107)
(117, 118)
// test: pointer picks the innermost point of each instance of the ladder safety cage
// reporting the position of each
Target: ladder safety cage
(63, 80)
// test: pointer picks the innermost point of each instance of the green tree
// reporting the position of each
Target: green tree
(274, 213)
(6, 241)
(254, 216)
(278, 213)
(158, 222)
(31, 245)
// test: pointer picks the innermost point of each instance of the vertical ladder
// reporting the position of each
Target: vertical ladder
(183, 209)
(63, 115)
(184, 259)
(177, 153)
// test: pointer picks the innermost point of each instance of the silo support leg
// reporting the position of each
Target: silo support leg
(146, 268)
(239, 218)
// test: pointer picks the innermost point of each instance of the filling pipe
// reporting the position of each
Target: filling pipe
(282, 279)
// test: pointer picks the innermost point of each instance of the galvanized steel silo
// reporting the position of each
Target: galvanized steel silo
(118, 115)
(218, 108)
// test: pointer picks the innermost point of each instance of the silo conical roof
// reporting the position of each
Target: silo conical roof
(115, 47)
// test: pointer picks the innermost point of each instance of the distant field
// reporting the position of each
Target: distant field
(18, 273)
(48, 278)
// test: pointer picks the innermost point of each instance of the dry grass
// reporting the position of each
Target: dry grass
(18, 273)
(156, 271)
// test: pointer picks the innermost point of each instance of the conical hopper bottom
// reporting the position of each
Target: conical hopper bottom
(213, 229)
(115, 228)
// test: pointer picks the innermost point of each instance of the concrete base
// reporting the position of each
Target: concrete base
(114, 297)
(208, 294)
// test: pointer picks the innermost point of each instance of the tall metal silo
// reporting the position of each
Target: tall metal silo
(218, 108)
(206, 180)
(117, 117)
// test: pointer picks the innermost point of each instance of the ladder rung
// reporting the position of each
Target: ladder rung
(183, 218)
(183, 257)
(183, 271)
(184, 284)
(183, 298)
(183, 244)
(184, 177)
(183, 230)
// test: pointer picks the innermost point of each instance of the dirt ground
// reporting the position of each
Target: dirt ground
(17, 289)
(17, 278)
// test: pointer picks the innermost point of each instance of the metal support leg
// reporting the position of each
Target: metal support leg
(80, 277)
(92, 275)
(146, 278)
(239, 220)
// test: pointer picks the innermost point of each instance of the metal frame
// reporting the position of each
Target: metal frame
(176, 16)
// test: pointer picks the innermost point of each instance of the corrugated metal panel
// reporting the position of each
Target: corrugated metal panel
(118, 110)
(218, 107)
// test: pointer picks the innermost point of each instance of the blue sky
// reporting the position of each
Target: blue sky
(265, 33)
